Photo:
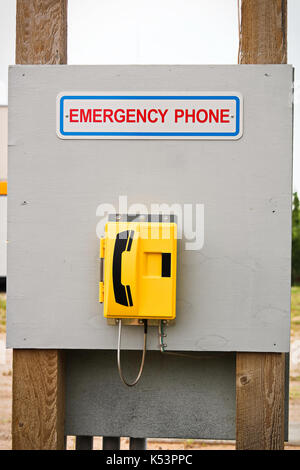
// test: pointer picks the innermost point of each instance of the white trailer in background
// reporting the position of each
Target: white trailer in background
(3, 191)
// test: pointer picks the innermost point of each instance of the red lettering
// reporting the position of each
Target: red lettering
(224, 114)
(73, 114)
(163, 114)
(205, 115)
(149, 115)
(85, 116)
(179, 113)
(145, 115)
(130, 115)
(107, 114)
(97, 115)
(121, 113)
(189, 115)
(213, 115)
(142, 116)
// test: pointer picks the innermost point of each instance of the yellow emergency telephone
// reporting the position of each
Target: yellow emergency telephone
(138, 279)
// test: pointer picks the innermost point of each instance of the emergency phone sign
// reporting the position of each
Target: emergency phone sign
(149, 115)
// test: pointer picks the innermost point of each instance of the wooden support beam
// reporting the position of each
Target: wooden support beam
(38, 375)
(263, 38)
(260, 401)
(38, 399)
(41, 32)
(260, 376)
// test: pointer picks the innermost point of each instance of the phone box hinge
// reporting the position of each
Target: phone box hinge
(101, 291)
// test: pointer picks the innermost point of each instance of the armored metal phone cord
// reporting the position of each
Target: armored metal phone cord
(131, 384)
(161, 335)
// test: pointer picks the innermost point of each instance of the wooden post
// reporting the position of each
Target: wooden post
(41, 32)
(263, 38)
(38, 399)
(260, 401)
(260, 376)
(38, 375)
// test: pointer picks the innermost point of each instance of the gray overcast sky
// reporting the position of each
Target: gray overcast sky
(156, 32)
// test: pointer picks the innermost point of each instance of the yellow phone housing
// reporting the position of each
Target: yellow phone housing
(140, 257)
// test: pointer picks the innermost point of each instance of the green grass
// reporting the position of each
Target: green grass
(2, 313)
(295, 310)
(296, 302)
(294, 393)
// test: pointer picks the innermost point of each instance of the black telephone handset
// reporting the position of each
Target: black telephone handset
(123, 243)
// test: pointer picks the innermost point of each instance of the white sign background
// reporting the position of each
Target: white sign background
(173, 115)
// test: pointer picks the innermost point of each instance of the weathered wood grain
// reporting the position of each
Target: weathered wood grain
(38, 400)
(38, 375)
(260, 401)
(260, 376)
(263, 38)
(41, 32)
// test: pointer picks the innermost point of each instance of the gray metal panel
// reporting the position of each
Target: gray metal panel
(176, 397)
(234, 294)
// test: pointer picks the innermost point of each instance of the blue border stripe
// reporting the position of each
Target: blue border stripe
(151, 134)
